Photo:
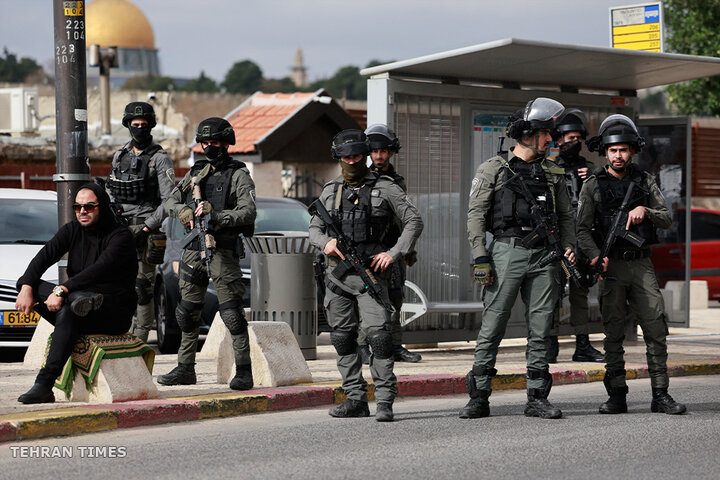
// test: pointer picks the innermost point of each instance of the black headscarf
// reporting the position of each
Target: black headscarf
(108, 219)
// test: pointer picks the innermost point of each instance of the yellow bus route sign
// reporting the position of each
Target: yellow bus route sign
(637, 27)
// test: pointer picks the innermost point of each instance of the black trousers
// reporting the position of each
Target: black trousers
(114, 317)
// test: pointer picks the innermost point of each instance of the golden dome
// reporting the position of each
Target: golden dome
(118, 23)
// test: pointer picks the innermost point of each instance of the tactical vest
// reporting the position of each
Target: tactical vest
(612, 193)
(216, 189)
(130, 181)
(353, 205)
(510, 214)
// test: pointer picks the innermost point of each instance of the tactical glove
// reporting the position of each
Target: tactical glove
(141, 239)
(186, 215)
(483, 272)
(207, 207)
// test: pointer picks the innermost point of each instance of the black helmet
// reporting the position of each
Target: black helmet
(348, 143)
(616, 129)
(538, 114)
(215, 128)
(139, 110)
(571, 120)
(380, 136)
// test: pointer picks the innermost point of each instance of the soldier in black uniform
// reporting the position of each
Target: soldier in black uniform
(383, 145)
(140, 181)
(569, 132)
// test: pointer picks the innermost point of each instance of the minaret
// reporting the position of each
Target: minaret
(299, 75)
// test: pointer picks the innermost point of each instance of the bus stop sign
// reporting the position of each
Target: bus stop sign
(637, 27)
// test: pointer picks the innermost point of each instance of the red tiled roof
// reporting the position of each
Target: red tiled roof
(259, 115)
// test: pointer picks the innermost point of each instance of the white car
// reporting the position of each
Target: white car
(28, 219)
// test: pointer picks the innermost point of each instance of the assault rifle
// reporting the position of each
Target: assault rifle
(617, 230)
(354, 260)
(545, 229)
(201, 230)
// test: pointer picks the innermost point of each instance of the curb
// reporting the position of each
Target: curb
(95, 418)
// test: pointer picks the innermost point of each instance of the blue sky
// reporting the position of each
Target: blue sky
(332, 33)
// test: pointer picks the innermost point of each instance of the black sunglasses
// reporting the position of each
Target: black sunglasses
(89, 207)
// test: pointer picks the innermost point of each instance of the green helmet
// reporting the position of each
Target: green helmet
(215, 128)
(139, 110)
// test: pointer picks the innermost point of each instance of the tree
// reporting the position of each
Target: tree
(346, 83)
(149, 82)
(281, 85)
(201, 84)
(16, 72)
(691, 28)
(243, 77)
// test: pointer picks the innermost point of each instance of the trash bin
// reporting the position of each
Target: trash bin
(282, 284)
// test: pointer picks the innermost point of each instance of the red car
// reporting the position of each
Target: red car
(669, 258)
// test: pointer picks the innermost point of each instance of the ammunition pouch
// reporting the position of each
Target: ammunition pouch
(154, 253)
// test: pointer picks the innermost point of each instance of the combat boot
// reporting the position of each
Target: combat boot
(384, 412)
(38, 393)
(617, 402)
(183, 374)
(243, 379)
(553, 349)
(350, 408)
(538, 406)
(585, 352)
(478, 406)
(364, 352)
(664, 403)
(402, 354)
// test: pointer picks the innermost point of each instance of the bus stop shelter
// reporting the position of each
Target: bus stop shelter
(450, 110)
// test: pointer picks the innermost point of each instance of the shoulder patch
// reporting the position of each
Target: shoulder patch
(375, 192)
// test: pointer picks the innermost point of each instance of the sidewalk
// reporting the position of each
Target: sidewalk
(692, 351)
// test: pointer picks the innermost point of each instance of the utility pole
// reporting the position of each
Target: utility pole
(71, 148)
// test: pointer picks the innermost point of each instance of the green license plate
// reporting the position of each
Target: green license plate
(14, 318)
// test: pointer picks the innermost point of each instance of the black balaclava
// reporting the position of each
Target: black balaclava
(571, 150)
(141, 137)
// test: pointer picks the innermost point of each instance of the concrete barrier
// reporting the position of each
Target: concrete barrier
(117, 380)
(698, 294)
(215, 337)
(35, 354)
(274, 352)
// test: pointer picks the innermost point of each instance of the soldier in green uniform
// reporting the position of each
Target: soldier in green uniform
(569, 131)
(383, 145)
(228, 198)
(629, 277)
(507, 267)
(366, 204)
(140, 181)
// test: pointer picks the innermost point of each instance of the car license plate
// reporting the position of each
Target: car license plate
(14, 318)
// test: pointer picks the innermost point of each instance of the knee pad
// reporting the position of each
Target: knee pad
(544, 374)
(381, 343)
(233, 317)
(187, 315)
(345, 343)
(143, 289)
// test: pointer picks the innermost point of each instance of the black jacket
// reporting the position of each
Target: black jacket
(101, 259)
